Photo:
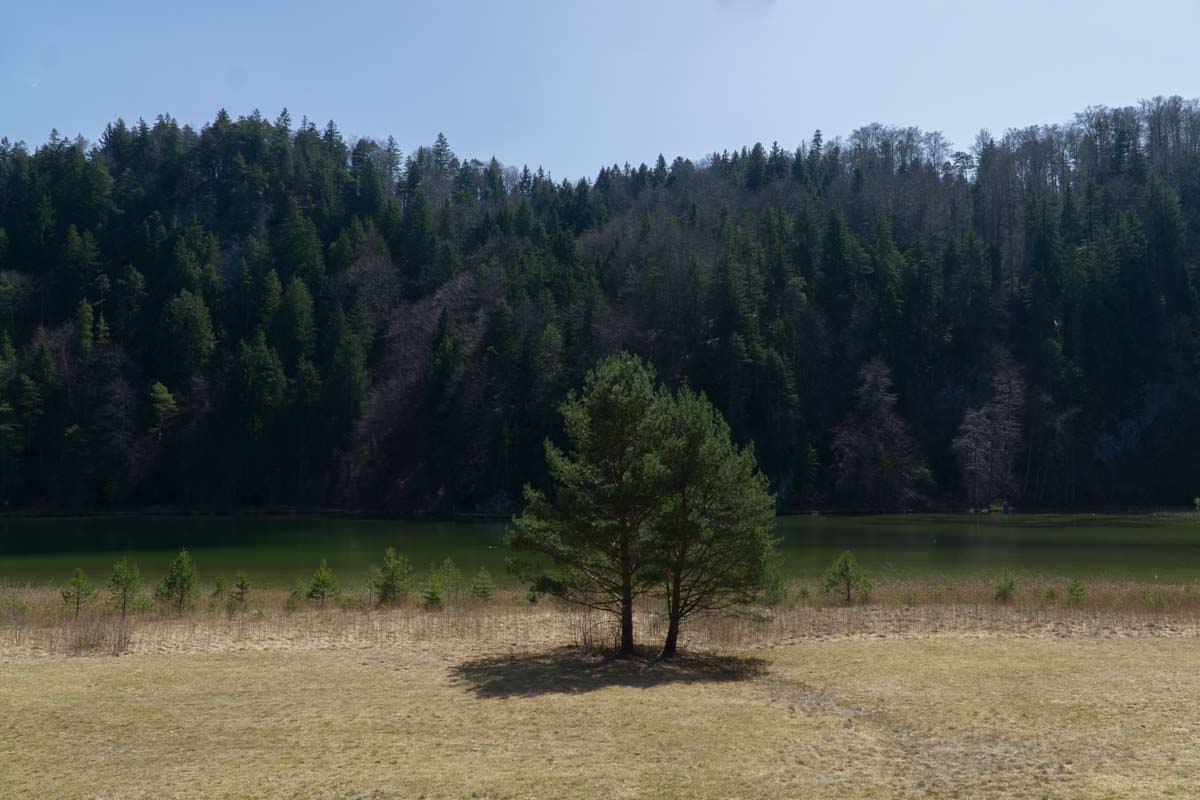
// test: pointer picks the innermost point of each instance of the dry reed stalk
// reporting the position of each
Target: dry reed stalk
(34, 619)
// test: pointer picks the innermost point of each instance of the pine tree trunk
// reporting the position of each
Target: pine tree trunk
(674, 612)
(626, 625)
(626, 603)
(671, 645)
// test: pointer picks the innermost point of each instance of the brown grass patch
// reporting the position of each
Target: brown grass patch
(960, 698)
(996, 717)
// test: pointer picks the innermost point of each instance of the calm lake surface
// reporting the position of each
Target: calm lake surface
(277, 550)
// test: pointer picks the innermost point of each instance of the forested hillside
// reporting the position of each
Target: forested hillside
(261, 312)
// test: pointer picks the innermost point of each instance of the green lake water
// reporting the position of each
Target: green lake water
(277, 550)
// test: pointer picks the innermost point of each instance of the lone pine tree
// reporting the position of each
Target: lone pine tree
(597, 529)
(653, 497)
(714, 532)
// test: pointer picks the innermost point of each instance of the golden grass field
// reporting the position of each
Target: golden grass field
(499, 701)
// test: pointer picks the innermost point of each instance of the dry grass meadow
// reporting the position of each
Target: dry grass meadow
(940, 698)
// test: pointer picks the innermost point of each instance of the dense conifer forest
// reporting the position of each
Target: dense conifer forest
(263, 312)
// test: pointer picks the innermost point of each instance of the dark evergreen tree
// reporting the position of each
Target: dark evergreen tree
(765, 277)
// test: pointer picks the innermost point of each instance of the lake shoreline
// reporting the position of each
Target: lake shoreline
(338, 512)
(276, 545)
(195, 512)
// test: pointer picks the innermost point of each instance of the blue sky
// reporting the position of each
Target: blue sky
(572, 86)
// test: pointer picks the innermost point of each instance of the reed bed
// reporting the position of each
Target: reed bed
(35, 620)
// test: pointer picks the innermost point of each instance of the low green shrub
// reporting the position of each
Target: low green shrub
(1152, 598)
(451, 579)
(352, 602)
(1005, 588)
(1048, 596)
(774, 585)
(78, 592)
(14, 609)
(482, 585)
(774, 591)
(323, 584)
(239, 595)
(393, 581)
(125, 588)
(180, 586)
(846, 577)
(1075, 592)
(432, 597)
(298, 595)
(943, 593)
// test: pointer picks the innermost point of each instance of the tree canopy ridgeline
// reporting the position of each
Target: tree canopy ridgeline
(264, 312)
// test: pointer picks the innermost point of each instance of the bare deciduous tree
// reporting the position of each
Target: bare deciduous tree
(875, 456)
(990, 437)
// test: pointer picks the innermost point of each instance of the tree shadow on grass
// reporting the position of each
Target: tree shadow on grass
(571, 671)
